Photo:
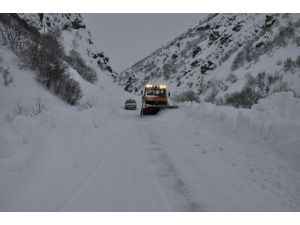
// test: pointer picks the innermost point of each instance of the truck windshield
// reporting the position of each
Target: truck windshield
(156, 92)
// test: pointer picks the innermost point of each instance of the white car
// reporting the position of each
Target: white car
(130, 104)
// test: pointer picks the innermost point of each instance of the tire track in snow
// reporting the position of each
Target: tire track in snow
(85, 183)
(176, 189)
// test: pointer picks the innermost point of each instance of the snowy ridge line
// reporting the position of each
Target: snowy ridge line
(85, 184)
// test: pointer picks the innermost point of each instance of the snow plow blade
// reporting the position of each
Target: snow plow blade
(149, 111)
(172, 107)
(153, 110)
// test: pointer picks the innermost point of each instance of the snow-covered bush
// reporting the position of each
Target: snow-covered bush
(185, 96)
(77, 62)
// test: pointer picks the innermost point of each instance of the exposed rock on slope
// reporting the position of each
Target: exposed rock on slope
(222, 56)
(74, 33)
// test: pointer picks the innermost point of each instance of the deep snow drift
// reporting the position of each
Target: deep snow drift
(200, 157)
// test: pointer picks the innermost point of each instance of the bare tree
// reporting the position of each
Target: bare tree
(6, 76)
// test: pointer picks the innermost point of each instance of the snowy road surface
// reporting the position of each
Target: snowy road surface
(117, 161)
(158, 164)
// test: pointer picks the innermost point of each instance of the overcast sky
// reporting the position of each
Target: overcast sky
(127, 38)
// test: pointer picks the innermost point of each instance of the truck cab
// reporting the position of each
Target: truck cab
(155, 95)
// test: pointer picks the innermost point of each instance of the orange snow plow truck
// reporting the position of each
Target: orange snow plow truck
(155, 98)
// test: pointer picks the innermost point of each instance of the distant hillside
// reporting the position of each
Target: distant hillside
(224, 59)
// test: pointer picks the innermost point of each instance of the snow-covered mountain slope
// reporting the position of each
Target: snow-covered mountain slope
(221, 54)
(75, 35)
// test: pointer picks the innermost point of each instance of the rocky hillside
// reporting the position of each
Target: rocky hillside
(59, 49)
(224, 59)
(74, 33)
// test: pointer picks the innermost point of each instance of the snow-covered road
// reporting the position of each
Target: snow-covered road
(160, 163)
(113, 160)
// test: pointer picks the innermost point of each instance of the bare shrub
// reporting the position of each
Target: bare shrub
(202, 86)
(297, 40)
(250, 79)
(280, 86)
(168, 69)
(69, 90)
(228, 54)
(39, 106)
(43, 53)
(185, 96)
(11, 35)
(211, 97)
(279, 62)
(75, 44)
(250, 53)
(88, 104)
(245, 99)
(29, 110)
(85, 71)
(298, 61)
(6, 76)
(51, 66)
(242, 56)
(231, 78)
(289, 65)
(255, 88)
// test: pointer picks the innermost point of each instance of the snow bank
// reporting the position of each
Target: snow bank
(273, 122)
